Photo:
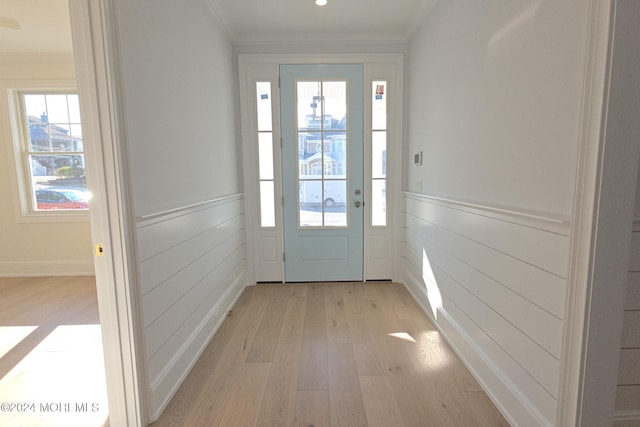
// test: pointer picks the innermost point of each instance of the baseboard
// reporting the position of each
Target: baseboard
(46, 268)
(507, 398)
(171, 378)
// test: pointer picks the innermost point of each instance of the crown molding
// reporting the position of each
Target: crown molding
(314, 46)
(221, 18)
(420, 17)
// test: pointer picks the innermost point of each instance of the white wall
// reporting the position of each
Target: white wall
(180, 103)
(498, 299)
(35, 248)
(495, 103)
(192, 269)
(496, 93)
(180, 87)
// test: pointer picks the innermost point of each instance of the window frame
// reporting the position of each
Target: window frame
(270, 179)
(23, 198)
(373, 131)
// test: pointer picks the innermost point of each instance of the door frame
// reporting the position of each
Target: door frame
(603, 217)
(98, 74)
(266, 245)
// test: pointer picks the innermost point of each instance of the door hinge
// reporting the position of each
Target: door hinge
(284, 257)
(278, 82)
(282, 200)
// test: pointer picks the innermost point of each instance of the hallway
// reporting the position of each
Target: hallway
(329, 355)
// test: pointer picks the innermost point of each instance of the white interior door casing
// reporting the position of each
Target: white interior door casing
(266, 244)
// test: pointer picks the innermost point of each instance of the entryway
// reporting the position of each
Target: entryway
(322, 165)
(322, 152)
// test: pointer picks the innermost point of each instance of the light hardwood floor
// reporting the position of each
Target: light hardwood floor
(51, 359)
(345, 354)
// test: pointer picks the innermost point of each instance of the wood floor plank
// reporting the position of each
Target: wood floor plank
(444, 377)
(405, 306)
(345, 396)
(264, 343)
(312, 409)
(313, 360)
(314, 382)
(355, 297)
(460, 394)
(188, 400)
(337, 318)
(411, 388)
(315, 319)
(393, 307)
(379, 402)
(227, 367)
(246, 395)
(279, 401)
(370, 359)
(371, 329)
(51, 350)
(313, 374)
(312, 378)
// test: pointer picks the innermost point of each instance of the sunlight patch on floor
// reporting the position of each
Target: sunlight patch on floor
(403, 336)
(61, 382)
(11, 336)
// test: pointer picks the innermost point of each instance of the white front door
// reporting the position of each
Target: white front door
(322, 158)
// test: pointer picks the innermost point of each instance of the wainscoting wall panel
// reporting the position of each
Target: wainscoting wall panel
(494, 282)
(193, 266)
(628, 392)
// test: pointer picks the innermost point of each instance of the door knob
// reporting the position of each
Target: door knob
(357, 204)
(358, 192)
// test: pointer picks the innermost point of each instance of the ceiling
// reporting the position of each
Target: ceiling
(301, 20)
(44, 24)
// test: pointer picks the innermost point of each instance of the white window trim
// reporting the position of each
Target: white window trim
(20, 180)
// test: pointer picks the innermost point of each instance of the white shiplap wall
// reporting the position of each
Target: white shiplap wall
(192, 269)
(494, 282)
(628, 392)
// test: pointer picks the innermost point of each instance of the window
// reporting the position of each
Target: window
(322, 124)
(265, 156)
(51, 152)
(379, 154)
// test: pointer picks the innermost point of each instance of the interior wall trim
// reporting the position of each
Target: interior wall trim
(155, 217)
(540, 220)
(46, 268)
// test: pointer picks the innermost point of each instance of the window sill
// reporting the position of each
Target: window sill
(52, 217)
